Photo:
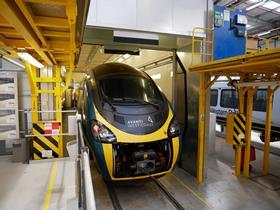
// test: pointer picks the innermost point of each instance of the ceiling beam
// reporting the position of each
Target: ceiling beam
(51, 22)
(28, 13)
(54, 2)
(13, 43)
(56, 34)
(9, 31)
(12, 13)
(62, 57)
(4, 22)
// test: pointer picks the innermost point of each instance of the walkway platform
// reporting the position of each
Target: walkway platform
(42, 184)
(50, 184)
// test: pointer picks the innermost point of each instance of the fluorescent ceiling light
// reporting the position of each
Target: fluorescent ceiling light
(263, 33)
(120, 59)
(156, 76)
(126, 56)
(271, 5)
(254, 1)
(255, 5)
(27, 57)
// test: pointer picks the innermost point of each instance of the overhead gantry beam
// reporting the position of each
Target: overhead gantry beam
(54, 2)
(71, 12)
(28, 13)
(14, 16)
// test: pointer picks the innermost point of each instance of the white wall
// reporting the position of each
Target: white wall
(160, 16)
(164, 79)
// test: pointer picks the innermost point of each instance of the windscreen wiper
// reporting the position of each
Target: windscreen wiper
(104, 98)
(138, 101)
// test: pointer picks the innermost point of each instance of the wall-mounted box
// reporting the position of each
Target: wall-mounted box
(8, 132)
(7, 101)
(7, 85)
(7, 117)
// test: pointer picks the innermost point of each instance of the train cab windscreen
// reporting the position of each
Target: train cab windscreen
(129, 89)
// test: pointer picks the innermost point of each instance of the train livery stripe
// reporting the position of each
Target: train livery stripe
(44, 143)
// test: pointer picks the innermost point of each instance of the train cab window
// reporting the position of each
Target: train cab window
(214, 98)
(259, 100)
(130, 89)
(229, 99)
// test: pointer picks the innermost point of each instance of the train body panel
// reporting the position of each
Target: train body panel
(130, 138)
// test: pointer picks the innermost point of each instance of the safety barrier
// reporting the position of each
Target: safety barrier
(42, 140)
(85, 187)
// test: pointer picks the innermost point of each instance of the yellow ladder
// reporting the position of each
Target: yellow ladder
(203, 42)
(44, 145)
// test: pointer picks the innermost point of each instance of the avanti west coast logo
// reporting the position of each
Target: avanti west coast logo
(140, 123)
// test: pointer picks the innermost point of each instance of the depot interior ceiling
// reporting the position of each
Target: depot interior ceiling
(263, 15)
(46, 29)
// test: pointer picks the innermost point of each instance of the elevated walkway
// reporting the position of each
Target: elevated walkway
(259, 69)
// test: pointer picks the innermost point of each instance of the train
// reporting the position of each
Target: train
(224, 100)
(128, 123)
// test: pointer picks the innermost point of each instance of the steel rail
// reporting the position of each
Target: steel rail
(167, 194)
(113, 196)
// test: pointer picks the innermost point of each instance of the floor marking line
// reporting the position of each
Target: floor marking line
(50, 186)
(193, 192)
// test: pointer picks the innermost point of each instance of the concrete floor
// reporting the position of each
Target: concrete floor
(25, 187)
(221, 189)
(29, 184)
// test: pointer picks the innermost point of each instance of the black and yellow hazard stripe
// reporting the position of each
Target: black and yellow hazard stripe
(41, 143)
(239, 127)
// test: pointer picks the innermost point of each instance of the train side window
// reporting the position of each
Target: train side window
(229, 99)
(214, 98)
(259, 100)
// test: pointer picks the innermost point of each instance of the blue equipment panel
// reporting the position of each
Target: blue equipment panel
(229, 33)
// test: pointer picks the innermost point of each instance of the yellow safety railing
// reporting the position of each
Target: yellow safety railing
(208, 40)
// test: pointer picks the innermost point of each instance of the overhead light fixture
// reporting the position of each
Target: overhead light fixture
(30, 59)
(271, 5)
(156, 76)
(126, 56)
(263, 33)
(255, 5)
(120, 59)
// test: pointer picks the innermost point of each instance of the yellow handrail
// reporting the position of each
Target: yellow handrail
(203, 41)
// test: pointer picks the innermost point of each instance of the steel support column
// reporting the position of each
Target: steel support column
(267, 130)
(249, 112)
(238, 149)
(201, 127)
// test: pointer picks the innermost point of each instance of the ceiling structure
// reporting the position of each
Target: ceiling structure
(49, 30)
(263, 15)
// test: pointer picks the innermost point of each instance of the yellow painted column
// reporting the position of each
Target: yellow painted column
(248, 131)
(58, 107)
(201, 125)
(267, 130)
(238, 149)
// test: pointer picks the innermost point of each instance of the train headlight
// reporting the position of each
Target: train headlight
(173, 129)
(102, 133)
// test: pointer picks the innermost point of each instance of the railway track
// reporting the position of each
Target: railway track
(117, 205)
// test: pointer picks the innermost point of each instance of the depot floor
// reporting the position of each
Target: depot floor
(27, 186)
